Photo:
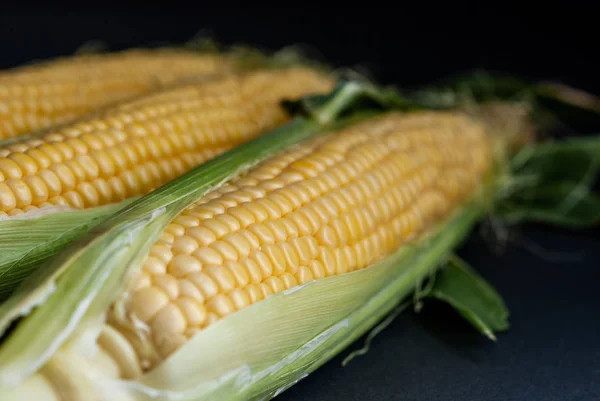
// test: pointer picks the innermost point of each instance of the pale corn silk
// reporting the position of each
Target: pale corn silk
(140, 145)
(40, 95)
(329, 206)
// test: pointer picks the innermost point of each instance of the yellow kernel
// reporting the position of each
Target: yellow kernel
(26, 163)
(317, 269)
(351, 257)
(41, 159)
(275, 284)
(241, 245)
(361, 254)
(240, 298)
(220, 305)
(302, 249)
(226, 250)
(162, 252)
(7, 198)
(154, 265)
(341, 230)
(277, 258)
(260, 213)
(285, 206)
(167, 238)
(88, 194)
(147, 302)
(219, 228)
(271, 208)
(239, 272)
(169, 320)
(252, 239)
(50, 151)
(304, 275)
(243, 216)
(58, 200)
(327, 258)
(52, 182)
(65, 175)
(203, 235)
(118, 188)
(175, 229)
(206, 284)
(230, 221)
(290, 227)
(10, 169)
(264, 263)
(255, 272)
(21, 192)
(327, 237)
(105, 193)
(265, 289)
(221, 276)
(74, 199)
(288, 280)
(208, 256)
(291, 257)
(77, 170)
(169, 343)
(262, 232)
(195, 313)
(186, 221)
(299, 193)
(341, 262)
(182, 265)
(214, 207)
(278, 229)
(211, 318)
(254, 293)
(168, 284)
(351, 223)
(142, 281)
(189, 289)
(185, 244)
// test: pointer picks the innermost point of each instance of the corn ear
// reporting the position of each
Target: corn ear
(37, 96)
(90, 274)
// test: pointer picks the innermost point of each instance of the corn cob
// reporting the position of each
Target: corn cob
(133, 148)
(38, 96)
(324, 208)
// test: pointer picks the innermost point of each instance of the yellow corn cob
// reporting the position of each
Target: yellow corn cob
(131, 149)
(55, 92)
(332, 205)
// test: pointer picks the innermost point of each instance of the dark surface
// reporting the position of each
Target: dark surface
(552, 351)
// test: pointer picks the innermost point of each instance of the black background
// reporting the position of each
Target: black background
(548, 277)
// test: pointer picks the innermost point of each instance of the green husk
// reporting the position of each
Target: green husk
(553, 183)
(460, 286)
(26, 242)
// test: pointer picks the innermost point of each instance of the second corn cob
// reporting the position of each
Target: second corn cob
(131, 149)
(37, 96)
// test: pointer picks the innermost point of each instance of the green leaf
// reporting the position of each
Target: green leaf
(552, 102)
(562, 204)
(472, 297)
(552, 183)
